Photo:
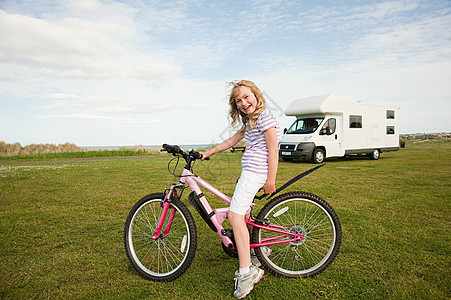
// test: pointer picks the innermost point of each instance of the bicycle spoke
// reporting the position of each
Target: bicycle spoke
(299, 216)
(165, 254)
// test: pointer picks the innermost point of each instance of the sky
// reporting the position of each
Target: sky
(103, 73)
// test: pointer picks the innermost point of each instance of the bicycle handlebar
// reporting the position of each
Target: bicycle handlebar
(174, 149)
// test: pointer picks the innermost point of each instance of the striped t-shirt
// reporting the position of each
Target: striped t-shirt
(255, 159)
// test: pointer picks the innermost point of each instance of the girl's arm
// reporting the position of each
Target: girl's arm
(230, 142)
(273, 160)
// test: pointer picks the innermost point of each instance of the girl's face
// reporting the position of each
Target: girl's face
(245, 100)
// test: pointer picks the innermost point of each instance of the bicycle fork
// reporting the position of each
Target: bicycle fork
(172, 192)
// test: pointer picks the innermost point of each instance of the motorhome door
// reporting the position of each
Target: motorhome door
(329, 136)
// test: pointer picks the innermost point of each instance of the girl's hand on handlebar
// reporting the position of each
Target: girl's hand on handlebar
(204, 155)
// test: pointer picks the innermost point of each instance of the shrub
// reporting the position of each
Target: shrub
(17, 149)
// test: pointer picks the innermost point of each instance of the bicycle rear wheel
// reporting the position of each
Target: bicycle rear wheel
(165, 258)
(299, 213)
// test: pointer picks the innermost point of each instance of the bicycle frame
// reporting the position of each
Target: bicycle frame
(218, 215)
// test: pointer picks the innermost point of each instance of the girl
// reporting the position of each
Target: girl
(259, 167)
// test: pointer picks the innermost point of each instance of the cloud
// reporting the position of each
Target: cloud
(419, 41)
(350, 18)
(196, 106)
(103, 105)
(85, 5)
(76, 48)
(171, 17)
(79, 116)
(110, 119)
(371, 14)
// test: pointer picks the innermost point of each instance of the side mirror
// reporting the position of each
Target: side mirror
(285, 130)
(325, 131)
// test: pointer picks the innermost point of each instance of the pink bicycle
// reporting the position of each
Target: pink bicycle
(295, 234)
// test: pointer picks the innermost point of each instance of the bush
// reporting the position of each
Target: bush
(17, 149)
(68, 150)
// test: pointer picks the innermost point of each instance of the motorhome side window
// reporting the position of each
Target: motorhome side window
(355, 121)
(390, 114)
(329, 127)
(390, 129)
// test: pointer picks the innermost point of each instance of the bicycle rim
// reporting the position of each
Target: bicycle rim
(306, 214)
(159, 259)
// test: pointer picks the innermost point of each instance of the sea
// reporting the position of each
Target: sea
(184, 147)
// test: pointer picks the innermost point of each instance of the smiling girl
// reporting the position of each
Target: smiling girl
(259, 168)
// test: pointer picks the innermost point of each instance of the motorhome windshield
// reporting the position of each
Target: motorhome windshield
(305, 126)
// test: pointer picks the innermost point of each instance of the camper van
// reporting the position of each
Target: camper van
(338, 126)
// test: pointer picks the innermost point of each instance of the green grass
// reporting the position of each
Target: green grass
(61, 225)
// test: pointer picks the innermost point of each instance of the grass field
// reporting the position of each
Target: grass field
(61, 226)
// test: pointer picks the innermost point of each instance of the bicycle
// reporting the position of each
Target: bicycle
(300, 232)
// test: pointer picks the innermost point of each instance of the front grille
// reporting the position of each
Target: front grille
(287, 147)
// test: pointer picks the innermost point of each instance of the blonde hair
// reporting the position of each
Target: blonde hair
(235, 114)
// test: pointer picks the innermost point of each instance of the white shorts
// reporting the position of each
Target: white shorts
(247, 187)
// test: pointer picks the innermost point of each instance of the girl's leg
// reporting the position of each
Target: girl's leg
(245, 190)
(241, 235)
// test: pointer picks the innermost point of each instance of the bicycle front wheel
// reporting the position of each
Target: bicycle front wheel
(299, 213)
(168, 256)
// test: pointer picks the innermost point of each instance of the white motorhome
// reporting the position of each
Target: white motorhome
(337, 126)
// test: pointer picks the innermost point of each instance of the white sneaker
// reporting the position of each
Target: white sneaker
(245, 283)
(254, 259)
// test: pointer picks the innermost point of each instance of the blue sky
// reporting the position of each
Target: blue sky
(94, 72)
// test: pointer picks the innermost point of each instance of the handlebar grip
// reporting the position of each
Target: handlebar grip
(198, 155)
(171, 148)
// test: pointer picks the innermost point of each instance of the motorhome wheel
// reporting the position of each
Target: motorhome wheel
(375, 155)
(318, 156)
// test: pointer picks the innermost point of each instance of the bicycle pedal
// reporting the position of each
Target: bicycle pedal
(227, 232)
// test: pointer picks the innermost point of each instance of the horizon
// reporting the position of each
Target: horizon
(185, 145)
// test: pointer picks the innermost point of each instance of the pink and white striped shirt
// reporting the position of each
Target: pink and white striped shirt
(255, 159)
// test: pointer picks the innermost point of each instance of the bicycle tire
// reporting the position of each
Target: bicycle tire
(305, 213)
(166, 258)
